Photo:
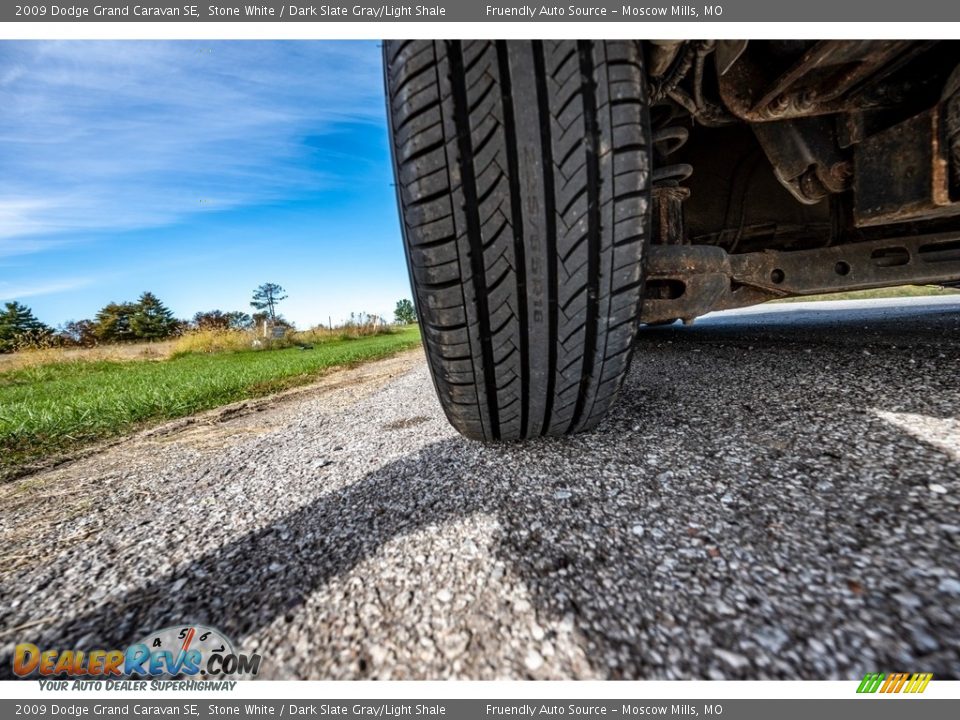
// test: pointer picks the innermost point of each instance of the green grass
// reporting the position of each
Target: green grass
(892, 292)
(49, 409)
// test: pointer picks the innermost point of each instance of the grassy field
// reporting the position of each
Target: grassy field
(894, 292)
(49, 408)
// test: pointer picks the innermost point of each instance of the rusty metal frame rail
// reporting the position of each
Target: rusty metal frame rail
(685, 281)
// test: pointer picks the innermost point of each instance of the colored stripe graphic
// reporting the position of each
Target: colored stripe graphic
(894, 683)
(870, 683)
(919, 682)
(900, 681)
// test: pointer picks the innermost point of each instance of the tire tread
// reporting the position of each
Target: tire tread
(523, 180)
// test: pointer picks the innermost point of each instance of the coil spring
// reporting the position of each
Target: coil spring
(666, 141)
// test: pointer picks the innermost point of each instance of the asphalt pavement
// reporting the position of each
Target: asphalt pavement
(776, 495)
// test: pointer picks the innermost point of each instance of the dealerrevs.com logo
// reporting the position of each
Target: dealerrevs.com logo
(182, 651)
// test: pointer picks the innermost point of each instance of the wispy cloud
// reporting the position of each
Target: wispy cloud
(9, 291)
(124, 135)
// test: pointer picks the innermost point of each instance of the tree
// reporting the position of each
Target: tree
(19, 326)
(78, 332)
(404, 313)
(239, 320)
(259, 318)
(19, 318)
(219, 320)
(112, 323)
(266, 297)
(152, 320)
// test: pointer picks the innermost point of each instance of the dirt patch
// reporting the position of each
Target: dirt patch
(406, 423)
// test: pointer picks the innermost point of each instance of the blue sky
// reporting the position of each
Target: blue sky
(196, 170)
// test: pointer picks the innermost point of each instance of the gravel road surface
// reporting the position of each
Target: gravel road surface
(776, 495)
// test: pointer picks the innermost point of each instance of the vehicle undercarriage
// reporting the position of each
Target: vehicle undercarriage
(800, 167)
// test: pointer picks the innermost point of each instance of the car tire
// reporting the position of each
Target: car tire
(523, 179)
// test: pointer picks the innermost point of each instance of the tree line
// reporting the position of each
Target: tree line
(147, 319)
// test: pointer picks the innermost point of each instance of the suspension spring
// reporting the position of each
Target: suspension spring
(666, 141)
(668, 195)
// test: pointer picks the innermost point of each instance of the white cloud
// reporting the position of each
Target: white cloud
(24, 216)
(125, 135)
(9, 291)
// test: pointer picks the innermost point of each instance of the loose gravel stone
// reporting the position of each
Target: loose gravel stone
(950, 586)
(733, 661)
(533, 661)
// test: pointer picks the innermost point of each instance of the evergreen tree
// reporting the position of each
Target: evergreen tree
(112, 323)
(18, 325)
(151, 319)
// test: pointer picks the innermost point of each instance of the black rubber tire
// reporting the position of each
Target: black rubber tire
(523, 178)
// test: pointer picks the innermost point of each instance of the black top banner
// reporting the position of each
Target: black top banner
(615, 11)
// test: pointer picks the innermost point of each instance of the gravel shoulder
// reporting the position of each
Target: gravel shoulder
(774, 496)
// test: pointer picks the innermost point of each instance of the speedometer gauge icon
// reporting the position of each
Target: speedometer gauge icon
(178, 640)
